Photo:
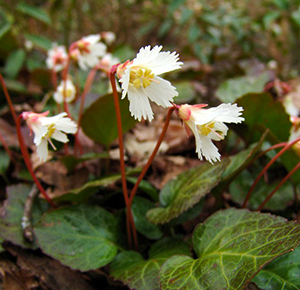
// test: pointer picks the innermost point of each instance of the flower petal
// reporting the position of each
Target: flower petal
(161, 92)
(42, 150)
(125, 82)
(139, 104)
(59, 136)
(209, 150)
(39, 132)
(158, 62)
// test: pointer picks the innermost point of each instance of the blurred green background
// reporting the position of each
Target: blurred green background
(214, 37)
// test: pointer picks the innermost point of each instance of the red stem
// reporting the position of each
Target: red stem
(285, 148)
(28, 162)
(129, 219)
(8, 99)
(278, 186)
(8, 151)
(146, 167)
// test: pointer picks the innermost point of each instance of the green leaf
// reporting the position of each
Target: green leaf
(241, 160)
(282, 273)
(279, 201)
(99, 120)
(146, 187)
(230, 90)
(182, 193)
(84, 192)
(131, 268)
(295, 16)
(232, 246)
(262, 112)
(35, 12)
(82, 237)
(139, 208)
(15, 86)
(14, 63)
(70, 161)
(4, 162)
(39, 41)
(186, 92)
(4, 28)
(12, 212)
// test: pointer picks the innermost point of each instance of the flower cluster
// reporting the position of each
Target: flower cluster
(45, 128)
(141, 82)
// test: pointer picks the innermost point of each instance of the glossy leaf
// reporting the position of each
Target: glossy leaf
(100, 124)
(241, 160)
(282, 273)
(232, 89)
(84, 192)
(4, 162)
(131, 268)
(262, 112)
(182, 193)
(12, 212)
(39, 41)
(279, 201)
(14, 63)
(232, 246)
(82, 237)
(139, 208)
(35, 12)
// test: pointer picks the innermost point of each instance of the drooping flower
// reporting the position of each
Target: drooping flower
(57, 58)
(140, 80)
(45, 128)
(208, 125)
(88, 50)
(69, 89)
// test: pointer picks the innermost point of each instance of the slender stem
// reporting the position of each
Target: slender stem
(146, 167)
(64, 77)
(86, 89)
(285, 148)
(8, 151)
(122, 160)
(26, 157)
(8, 99)
(278, 186)
(54, 78)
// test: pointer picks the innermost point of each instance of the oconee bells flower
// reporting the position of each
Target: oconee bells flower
(45, 128)
(208, 125)
(141, 82)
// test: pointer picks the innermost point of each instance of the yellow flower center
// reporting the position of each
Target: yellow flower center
(141, 77)
(208, 128)
(50, 132)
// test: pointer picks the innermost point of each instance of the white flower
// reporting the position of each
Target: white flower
(45, 128)
(108, 36)
(140, 80)
(57, 58)
(70, 92)
(208, 125)
(107, 61)
(88, 51)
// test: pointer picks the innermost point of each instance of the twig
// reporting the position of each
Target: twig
(26, 219)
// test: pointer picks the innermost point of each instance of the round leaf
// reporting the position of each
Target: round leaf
(82, 237)
(99, 120)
